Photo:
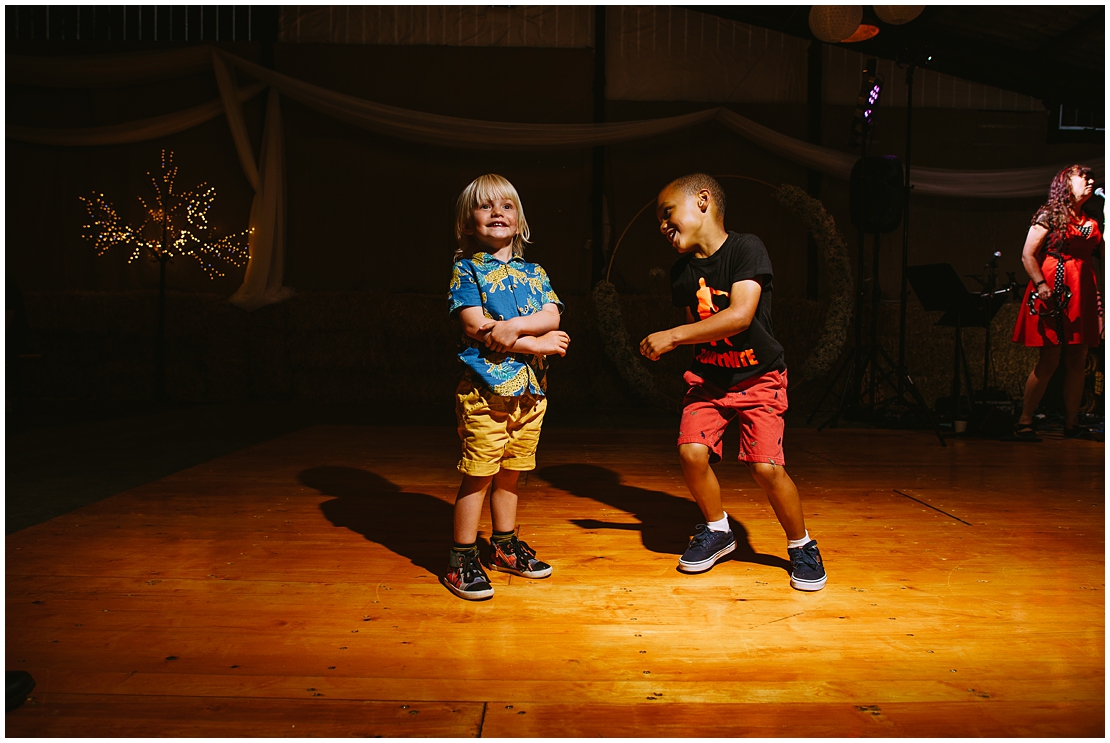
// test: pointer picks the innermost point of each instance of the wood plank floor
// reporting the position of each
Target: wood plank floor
(291, 589)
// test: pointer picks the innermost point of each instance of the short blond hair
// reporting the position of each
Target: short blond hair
(485, 189)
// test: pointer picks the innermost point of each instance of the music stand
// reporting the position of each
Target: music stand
(940, 289)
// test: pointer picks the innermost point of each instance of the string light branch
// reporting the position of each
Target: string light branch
(174, 224)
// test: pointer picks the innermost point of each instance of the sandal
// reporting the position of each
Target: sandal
(1076, 432)
(1026, 432)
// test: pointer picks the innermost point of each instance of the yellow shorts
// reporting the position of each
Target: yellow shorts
(497, 432)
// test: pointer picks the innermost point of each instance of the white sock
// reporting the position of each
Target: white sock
(792, 543)
(721, 525)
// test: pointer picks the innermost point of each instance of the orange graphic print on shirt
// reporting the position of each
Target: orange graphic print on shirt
(728, 359)
(706, 307)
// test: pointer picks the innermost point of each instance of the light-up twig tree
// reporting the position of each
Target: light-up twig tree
(175, 223)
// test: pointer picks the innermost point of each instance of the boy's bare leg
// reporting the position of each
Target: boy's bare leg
(783, 495)
(711, 542)
(468, 507)
(503, 500)
(807, 572)
(508, 555)
(701, 480)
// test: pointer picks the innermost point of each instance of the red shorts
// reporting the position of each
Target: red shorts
(758, 402)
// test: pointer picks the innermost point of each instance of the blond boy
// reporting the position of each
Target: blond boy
(510, 320)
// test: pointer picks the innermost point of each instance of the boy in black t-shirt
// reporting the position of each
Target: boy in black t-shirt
(723, 279)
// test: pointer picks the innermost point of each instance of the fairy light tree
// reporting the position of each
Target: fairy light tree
(174, 224)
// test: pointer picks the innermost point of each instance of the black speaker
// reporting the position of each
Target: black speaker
(877, 191)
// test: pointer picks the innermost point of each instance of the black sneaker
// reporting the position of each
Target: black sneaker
(807, 573)
(465, 577)
(516, 557)
(706, 547)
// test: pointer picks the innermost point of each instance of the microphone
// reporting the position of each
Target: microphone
(1100, 193)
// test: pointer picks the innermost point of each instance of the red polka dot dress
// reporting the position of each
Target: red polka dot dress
(1079, 323)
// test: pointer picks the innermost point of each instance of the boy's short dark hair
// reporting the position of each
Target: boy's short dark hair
(691, 184)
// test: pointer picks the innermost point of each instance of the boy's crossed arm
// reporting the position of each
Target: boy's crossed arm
(537, 333)
(743, 302)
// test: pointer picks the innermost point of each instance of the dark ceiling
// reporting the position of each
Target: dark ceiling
(1052, 52)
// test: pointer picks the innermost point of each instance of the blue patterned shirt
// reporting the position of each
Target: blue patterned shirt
(503, 291)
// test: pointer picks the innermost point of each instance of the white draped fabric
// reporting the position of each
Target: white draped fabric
(262, 283)
(142, 130)
(992, 184)
(449, 131)
(225, 79)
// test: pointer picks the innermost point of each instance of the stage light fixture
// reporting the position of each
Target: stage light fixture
(871, 89)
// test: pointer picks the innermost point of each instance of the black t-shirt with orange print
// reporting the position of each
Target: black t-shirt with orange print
(703, 285)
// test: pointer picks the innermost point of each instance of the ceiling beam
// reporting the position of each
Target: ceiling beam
(1041, 73)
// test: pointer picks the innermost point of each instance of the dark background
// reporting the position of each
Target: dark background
(370, 217)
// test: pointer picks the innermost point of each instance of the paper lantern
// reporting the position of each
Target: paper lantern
(896, 15)
(863, 33)
(834, 23)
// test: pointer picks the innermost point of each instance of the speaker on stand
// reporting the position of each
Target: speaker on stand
(875, 194)
(877, 202)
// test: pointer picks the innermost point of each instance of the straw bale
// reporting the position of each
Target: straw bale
(399, 350)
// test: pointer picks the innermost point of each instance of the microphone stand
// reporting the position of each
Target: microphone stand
(905, 230)
(988, 304)
(988, 293)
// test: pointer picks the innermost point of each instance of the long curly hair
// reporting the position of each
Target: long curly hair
(1055, 213)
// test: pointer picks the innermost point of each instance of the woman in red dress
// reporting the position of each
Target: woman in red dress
(1062, 313)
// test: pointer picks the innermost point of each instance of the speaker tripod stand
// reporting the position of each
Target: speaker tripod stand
(872, 365)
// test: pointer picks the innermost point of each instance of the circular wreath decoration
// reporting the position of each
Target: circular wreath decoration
(624, 353)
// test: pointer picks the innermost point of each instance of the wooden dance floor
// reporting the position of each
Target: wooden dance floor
(291, 589)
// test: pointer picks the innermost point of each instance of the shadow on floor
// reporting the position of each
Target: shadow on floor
(666, 522)
(60, 458)
(62, 455)
(413, 525)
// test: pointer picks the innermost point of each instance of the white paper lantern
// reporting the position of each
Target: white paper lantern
(834, 23)
(896, 15)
